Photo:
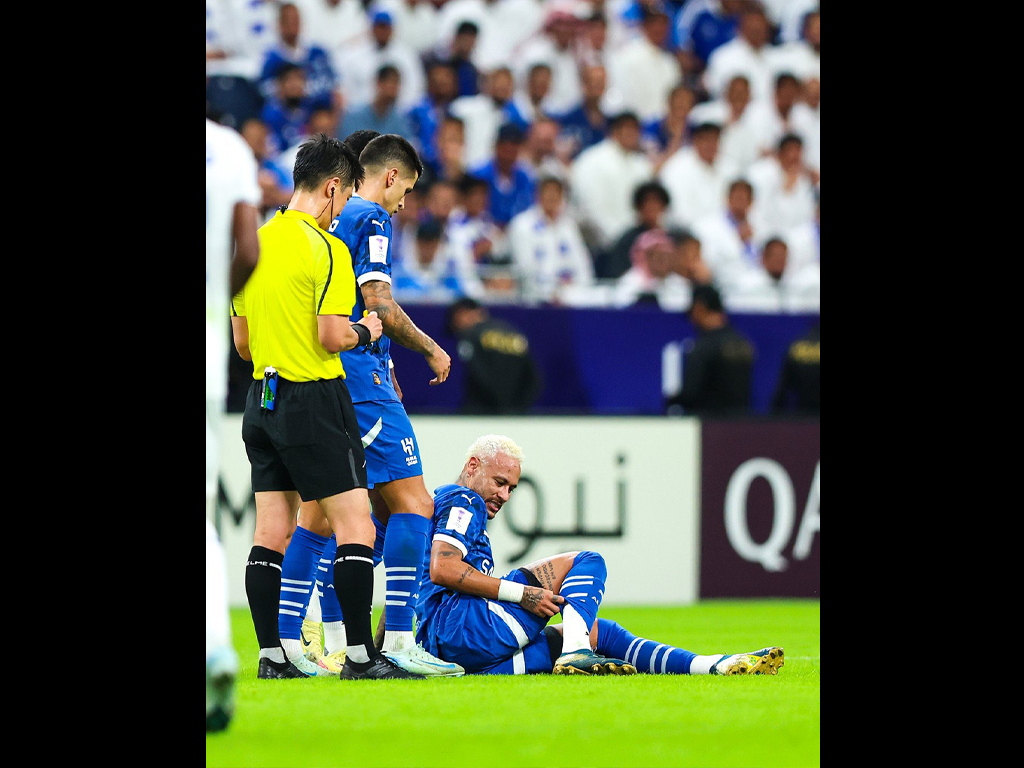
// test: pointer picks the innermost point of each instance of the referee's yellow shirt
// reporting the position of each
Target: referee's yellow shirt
(302, 272)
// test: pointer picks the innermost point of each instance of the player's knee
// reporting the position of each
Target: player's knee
(593, 562)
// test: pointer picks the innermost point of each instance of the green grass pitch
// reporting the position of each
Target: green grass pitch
(539, 720)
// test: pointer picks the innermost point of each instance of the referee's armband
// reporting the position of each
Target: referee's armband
(511, 591)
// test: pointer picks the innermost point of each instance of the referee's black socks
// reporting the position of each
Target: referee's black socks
(263, 589)
(353, 583)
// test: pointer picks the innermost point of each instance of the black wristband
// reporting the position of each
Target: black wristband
(363, 333)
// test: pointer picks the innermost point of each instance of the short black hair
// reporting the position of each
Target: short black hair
(322, 157)
(539, 65)
(709, 296)
(682, 236)
(742, 183)
(786, 77)
(388, 149)
(618, 119)
(458, 306)
(285, 68)
(467, 28)
(790, 138)
(649, 188)
(358, 140)
(468, 183)
(388, 70)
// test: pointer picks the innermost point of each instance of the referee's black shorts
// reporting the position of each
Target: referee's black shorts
(309, 443)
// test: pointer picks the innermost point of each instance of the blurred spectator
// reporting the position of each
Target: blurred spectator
(532, 102)
(511, 184)
(501, 376)
(461, 56)
(804, 240)
(316, 63)
(405, 223)
(739, 145)
(766, 287)
(665, 136)
(334, 25)
(592, 48)
(287, 109)
(432, 275)
(803, 57)
(731, 242)
(791, 18)
(799, 387)
(643, 72)
(275, 181)
(442, 198)
(696, 177)
(540, 151)
(783, 114)
(361, 62)
(603, 179)
(425, 117)
(701, 27)
(651, 279)
(382, 114)
(320, 120)
(238, 34)
(504, 25)
(449, 152)
(554, 47)
(484, 113)
(718, 366)
(473, 237)
(415, 23)
(749, 53)
(783, 187)
(650, 201)
(587, 124)
(547, 246)
(811, 98)
(687, 259)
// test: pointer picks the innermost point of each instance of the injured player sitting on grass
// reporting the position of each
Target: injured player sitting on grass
(498, 626)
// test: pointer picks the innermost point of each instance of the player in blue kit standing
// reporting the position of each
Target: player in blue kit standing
(498, 626)
(401, 502)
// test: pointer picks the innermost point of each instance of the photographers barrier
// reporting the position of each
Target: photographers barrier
(629, 488)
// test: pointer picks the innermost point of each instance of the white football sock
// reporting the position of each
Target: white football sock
(292, 648)
(395, 640)
(357, 653)
(575, 633)
(313, 611)
(334, 637)
(701, 665)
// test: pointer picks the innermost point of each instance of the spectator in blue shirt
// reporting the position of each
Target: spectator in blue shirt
(321, 78)
(432, 275)
(587, 124)
(287, 110)
(512, 186)
(701, 27)
(382, 113)
(425, 117)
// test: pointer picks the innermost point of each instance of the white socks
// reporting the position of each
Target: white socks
(575, 632)
(334, 637)
(701, 665)
(397, 641)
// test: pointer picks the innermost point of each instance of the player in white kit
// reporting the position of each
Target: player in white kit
(232, 250)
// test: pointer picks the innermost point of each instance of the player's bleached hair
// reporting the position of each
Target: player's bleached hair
(489, 446)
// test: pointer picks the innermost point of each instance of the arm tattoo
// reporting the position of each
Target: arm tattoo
(545, 573)
(397, 325)
(465, 573)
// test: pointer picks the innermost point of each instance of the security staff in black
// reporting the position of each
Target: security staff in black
(718, 369)
(300, 431)
(501, 376)
(799, 388)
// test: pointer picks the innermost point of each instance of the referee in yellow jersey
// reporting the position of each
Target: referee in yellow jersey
(300, 431)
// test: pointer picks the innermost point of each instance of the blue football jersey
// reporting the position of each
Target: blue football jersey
(365, 228)
(460, 519)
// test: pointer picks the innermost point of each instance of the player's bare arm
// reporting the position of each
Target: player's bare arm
(449, 570)
(400, 328)
(247, 245)
(240, 335)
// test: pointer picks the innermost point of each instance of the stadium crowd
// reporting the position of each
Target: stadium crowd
(577, 152)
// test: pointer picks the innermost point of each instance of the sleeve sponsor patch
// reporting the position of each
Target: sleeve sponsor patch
(459, 519)
(379, 249)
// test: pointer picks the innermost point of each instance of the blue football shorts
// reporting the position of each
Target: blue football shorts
(491, 637)
(392, 452)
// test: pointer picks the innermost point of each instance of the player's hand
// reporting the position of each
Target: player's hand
(441, 364)
(541, 602)
(373, 323)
